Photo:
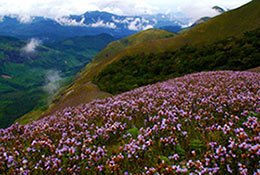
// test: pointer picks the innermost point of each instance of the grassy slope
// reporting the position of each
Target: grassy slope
(230, 54)
(232, 23)
(82, 90)
(84, 46)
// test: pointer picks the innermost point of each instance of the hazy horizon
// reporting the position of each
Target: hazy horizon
(57, 8)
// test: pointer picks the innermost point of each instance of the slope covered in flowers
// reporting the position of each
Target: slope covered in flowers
(204, 123)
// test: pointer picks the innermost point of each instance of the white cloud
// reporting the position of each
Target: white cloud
(134, 25)
(139, 24)
(21, 18)
(52, 81)
(70, 22)
(202, 8)
(58, 8)
(126, 7)
(101, 23)
(47, 8)
(25, 18)
(31, 46)
(121, 21)
(147, 27)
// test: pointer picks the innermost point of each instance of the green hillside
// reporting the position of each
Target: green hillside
(83, 46)
(83, 90)
(233, 24)
(230, 54)
(29, 80)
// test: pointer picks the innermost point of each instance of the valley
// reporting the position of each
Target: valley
(30, 79)
(64, 46)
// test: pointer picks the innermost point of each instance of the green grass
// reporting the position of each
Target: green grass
(18, 103)
(138, 70)
(146, 36)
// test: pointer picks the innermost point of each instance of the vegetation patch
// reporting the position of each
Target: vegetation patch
(138, 70)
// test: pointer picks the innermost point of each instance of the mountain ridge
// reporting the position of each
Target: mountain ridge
(89, 23)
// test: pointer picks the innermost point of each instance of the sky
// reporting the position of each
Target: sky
(56, 8)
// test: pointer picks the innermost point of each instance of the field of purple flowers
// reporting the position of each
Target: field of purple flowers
(203, 123)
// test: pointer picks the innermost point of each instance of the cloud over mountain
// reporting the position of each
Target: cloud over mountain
(31, 46)
(58, 8)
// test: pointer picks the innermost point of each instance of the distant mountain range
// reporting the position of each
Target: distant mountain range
(89, 23)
